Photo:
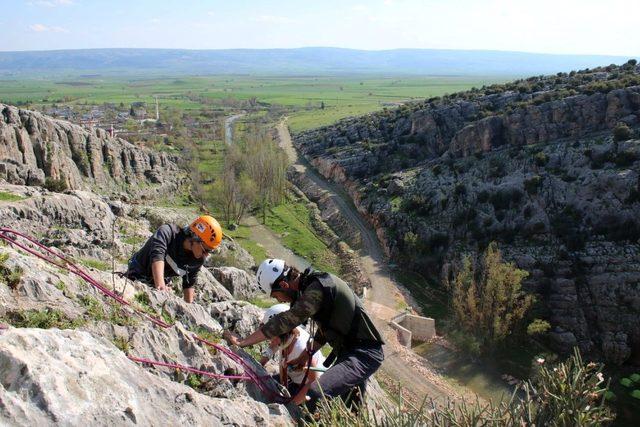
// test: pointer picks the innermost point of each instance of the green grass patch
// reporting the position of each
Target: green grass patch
(142, 298)
(395, 202)
(42, 319)
(254, 351)
(291, 222)
(134, 240)
(9, 197)
(211, 157)
(118, 316)
(96, 264)
(194, 381)
(122, 344)
(8, 276)
(95, 308)
(205, 334)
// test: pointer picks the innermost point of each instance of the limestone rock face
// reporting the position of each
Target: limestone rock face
(96, 231)
(240, 283)
(239, 316)
(230, 253)
(73, 378)
(533, 166)
(35, 147)
(209, 289)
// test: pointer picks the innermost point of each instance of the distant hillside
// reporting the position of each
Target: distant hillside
(318, 61)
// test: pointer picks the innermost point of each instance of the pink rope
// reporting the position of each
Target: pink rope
(70, 266)
(66, 264)
(189, 369)
(255, 378)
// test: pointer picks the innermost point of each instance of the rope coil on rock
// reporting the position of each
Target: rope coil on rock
(54, 258)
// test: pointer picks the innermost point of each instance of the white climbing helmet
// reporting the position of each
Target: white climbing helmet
(269, 271)
(273, 310)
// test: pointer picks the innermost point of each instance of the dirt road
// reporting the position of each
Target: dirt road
(228, 127)
(410, 371)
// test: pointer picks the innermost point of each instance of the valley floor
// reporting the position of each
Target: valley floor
(403, 372)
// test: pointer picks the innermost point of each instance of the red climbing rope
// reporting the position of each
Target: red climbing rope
(52, 257)
(189, 369)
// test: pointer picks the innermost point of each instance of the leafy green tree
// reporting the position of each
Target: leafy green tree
(488, 301)
(266, 164)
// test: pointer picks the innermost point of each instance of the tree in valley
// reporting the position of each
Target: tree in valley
(487, 298)
(254, 175)
(266, 165)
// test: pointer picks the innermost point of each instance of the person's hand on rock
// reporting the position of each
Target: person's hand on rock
(231, 338)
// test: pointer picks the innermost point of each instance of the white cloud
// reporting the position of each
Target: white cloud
(360, 8)
(51, 3)
(272, 19)
(39, 28)
(211, 13)
(155, 20)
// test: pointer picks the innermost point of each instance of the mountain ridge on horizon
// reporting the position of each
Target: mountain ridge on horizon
(293, 61)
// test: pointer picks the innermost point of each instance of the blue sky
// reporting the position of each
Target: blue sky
(549, 26)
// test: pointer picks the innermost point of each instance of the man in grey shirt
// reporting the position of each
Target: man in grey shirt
(174, 251)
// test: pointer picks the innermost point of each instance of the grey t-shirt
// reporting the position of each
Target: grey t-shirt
(166, 245)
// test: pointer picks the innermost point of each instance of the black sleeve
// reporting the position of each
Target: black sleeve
(160, 242)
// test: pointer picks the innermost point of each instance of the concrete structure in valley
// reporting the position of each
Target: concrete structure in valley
(411, 327)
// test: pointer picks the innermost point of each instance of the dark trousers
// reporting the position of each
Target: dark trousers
(348, 376)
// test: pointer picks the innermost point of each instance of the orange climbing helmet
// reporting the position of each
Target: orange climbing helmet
(207, 230)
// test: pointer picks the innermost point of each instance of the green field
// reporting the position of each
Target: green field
(308, 102)
(302, 98)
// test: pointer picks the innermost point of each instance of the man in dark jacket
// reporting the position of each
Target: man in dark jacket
(174, 251)
(341, 320)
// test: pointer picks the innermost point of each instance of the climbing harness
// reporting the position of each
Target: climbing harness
(52, 257)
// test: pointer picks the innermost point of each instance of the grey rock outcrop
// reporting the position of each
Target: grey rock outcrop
(35, 147)
(240, 283)
(238, 316)
(54, 377)
(85, 226)
(209, 289)
(230, 253)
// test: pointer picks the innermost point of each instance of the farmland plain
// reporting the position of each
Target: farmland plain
(309, 101)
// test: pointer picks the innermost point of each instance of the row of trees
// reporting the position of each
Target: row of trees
(254, 176)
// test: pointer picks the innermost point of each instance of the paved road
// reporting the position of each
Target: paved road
(401, 365)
